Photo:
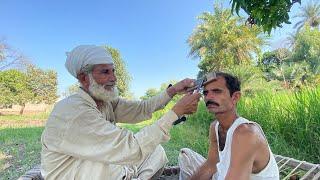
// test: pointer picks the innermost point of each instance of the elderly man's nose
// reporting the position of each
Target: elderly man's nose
(113, 77)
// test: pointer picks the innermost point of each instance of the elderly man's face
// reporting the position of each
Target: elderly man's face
(102, 81)
(104, 75)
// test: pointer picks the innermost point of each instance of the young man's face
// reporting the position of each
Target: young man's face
(217, 97)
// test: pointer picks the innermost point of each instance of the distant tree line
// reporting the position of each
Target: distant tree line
(22, 82)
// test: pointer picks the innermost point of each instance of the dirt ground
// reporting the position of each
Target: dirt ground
(24, 123)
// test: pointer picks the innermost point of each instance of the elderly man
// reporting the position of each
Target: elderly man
(81, 139)
(238, 147)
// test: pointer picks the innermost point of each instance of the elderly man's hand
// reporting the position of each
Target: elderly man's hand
(180, 87)
(188, 104)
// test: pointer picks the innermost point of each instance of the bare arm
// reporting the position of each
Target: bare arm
(244, 148)
(207, 170)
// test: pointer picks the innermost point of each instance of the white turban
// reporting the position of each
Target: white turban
(84, 55)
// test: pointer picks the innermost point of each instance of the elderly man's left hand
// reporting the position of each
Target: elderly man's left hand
(180, 87)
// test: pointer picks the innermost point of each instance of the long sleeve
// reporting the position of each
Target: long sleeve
(86, 135)
(136, 111)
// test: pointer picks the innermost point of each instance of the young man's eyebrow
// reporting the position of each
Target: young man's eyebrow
(213, 89)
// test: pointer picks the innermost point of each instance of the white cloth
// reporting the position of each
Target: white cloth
(84, 55)
(80, 142)
(270, 172)
(190, 161)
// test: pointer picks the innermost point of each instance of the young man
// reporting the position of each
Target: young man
(81, 139)
(238, 147)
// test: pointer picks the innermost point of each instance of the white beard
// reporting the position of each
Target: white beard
(99, 92)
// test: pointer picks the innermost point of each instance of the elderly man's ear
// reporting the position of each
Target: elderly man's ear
(84, 80)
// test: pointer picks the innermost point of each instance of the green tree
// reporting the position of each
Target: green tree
(268, 14)
(153, 91)
(307, 53)
(14, 88)
(310, 15)
(274, 60)
(252, 80)
(123, 77)
(299, 67)
(43, 84)
(71, 90)
(222, 41)
(150, 93)
(307, 48)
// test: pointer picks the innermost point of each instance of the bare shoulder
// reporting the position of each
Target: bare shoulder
(248, 134)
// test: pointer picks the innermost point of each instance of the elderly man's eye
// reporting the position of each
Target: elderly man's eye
(106, 71)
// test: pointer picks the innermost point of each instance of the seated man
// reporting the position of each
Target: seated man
(81, 139)
(238, 147)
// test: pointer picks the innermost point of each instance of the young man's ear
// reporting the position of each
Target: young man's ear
(236, 97)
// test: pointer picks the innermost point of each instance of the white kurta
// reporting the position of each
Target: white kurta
(80, 142)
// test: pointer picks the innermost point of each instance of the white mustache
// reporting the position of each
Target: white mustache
(109, 85)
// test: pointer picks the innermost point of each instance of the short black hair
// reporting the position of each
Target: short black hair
(232, 82)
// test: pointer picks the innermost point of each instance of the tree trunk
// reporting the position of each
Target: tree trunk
(22, 108)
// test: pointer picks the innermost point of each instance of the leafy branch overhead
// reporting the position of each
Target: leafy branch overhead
(266, 13)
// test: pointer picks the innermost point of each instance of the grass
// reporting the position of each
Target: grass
(39, 116)
(19, 150)
(290, 122)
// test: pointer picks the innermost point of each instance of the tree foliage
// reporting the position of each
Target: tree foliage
(266, 13)
(309, 15)
(149, 93)
(154, 91)
(71, 90)
(32, 86)
(274, 59)
(43, 84)
(307, 48)
(307, 52)
(222, 41)
(14, 88)
(123, 77)
(299, 67)
(252, 80)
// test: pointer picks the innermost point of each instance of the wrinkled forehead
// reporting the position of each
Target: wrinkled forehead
(103, 66)
(217, 82)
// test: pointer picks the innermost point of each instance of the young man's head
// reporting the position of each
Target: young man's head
(222, 94)
(93, 67)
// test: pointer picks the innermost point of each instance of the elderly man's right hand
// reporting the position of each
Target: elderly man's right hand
(188, 104)
(181, 87)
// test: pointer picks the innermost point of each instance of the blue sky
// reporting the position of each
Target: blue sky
(150, 35)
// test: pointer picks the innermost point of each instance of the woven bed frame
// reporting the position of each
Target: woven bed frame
(290, 169)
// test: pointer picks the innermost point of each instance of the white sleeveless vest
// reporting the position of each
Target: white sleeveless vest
(270, 172)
